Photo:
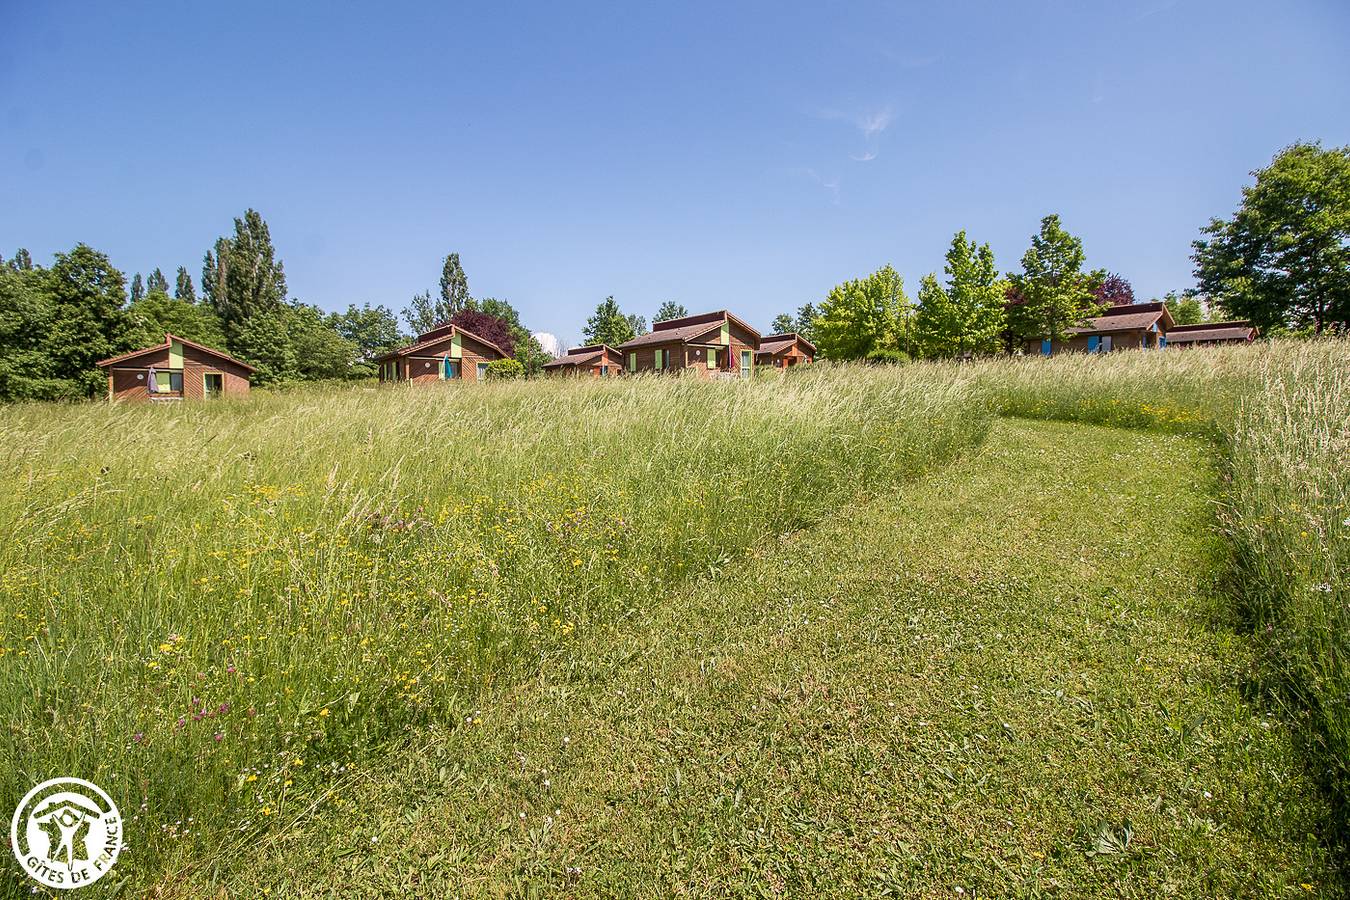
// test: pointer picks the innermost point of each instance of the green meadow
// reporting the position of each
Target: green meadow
(1024, 628)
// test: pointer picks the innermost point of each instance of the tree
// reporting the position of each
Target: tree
(454, 287)
(422, 314)
(1185, 308)
(1053, 293)
(806, 321)
(967, 315)
(372, 329)
(638, 324)
(22, 261)
(782, 324)
(1283, 259)
(1114, 291)
(863, 316)
(88, 322)
(608, 325)
(156, 282)
(244, 279)
(319, 352)
(527, 349)
(184, 290)
(26, 314)
(486, 326)
(670, 310)
(157, 314)
(137, 288)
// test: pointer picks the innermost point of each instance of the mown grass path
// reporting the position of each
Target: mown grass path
(1012, 678)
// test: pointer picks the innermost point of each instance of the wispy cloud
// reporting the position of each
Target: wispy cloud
(870, 124)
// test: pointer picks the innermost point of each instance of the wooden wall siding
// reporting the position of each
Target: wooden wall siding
(123, 383)
(426, 365)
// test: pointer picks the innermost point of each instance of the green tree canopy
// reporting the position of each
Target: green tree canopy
(243, 278)
(1185, 308)
(1283, 259)
(373, 330)
(26, 314)
(183, 289)
(806, 321)
(670, 310)
(454, 287)
(137, 288)
(156, 282)
(965, 316)
(89, 323)
(157, 314)
(609, 325)
(1053, 292)
(863, 316)
(22, 261)
(782, 324)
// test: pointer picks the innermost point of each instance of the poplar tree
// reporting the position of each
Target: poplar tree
(156, 282)
(184, 290)
(137, 288)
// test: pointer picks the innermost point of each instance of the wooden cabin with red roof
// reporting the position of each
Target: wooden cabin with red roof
(715, 344)
(783, 351)
(1127, 326)
(595, 361)
(175, 370)
(445, 353)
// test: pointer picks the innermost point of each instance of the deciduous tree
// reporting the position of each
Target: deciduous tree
(670, 310)
(608, 325)
(1055, 293)
(782, 324)
(1283, 259)
(864, 316)
(89, 323)
(183, 289)
(966, 316)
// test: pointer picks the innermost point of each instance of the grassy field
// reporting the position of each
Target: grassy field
(249, 622)
(214, 611)
(1003, 679)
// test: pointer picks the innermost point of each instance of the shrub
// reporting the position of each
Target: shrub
(505, 369)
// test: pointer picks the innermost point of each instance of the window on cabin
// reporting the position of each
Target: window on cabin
(213, 384)
(747, 359)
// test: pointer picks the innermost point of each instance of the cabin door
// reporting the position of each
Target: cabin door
(213, 384)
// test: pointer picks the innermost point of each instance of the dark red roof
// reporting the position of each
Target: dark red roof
(435, 336)
(718, 316)
(168, 343)
(1213, 331)
(777, 343)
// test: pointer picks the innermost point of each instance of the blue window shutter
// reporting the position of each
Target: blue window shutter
(1093, 343)
(1045, 347)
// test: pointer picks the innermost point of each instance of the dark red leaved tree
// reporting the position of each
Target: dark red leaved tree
(487, 327)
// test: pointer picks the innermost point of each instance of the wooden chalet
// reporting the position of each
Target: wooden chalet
(445, 353)
(708, 345)
(783, 351)
(175, 370)
(1129, 326)
(595, 361)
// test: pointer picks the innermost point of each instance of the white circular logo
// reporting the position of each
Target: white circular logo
(66, 833)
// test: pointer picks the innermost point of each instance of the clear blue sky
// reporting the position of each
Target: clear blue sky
(741, 155)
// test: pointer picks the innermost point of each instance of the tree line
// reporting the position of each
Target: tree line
(1281, 261)
(56, 322)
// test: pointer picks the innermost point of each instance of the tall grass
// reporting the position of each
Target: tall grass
(1280, 417)
(213, 609)
(1288, 511)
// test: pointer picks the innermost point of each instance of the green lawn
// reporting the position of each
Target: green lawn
(1013, 677)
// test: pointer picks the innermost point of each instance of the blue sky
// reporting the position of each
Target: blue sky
(741, 155)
